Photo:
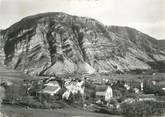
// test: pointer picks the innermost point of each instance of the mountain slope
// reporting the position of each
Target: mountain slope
(162, 44)
(2, 54)
(58, 43)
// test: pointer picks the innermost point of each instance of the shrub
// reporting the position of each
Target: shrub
(143, 108)
(30, 102)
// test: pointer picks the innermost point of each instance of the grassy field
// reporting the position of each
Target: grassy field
(16, 111)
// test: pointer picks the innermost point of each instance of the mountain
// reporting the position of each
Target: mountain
(2, 54)
(58, 43)
(10, 75)
(162, 44)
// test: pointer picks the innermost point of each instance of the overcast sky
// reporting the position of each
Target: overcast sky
(147, 16)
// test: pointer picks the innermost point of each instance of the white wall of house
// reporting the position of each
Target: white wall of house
(108, 94)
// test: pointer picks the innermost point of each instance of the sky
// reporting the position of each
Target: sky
(147, 16)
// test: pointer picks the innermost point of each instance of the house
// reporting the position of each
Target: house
(136, 90)
(100, 97)
(147, 97)
(108, 94)
(105, 94)
(51, 88)
(100, 94)
(127, 86)
(73, 87)
(66, 95)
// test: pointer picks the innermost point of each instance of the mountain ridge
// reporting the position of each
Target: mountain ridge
(58, 43)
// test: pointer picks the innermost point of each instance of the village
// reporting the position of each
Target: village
(107, 95)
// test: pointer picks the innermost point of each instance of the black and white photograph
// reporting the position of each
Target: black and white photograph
(82, 58)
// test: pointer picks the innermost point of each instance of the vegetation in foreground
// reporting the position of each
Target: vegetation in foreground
(143, 109)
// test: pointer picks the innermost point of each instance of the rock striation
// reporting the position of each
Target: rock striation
(58, 43)
(161, 44)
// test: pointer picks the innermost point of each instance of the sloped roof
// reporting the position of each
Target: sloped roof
(51, 88)
(100, 93)
(52, 83)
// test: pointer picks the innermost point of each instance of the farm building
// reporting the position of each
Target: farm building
(52, 88)
(104, 93)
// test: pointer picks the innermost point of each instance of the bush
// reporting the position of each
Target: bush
(143, 108)
(12, 94)
(30, 102)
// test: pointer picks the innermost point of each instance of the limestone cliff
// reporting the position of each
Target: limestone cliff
(58, 43)
(161, 44)
(2, 54)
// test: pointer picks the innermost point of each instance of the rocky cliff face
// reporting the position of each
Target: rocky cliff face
(58, 43)
(161, 44)
(2, 53)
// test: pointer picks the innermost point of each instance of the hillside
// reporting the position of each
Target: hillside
(13, 76)
(2, 55)
(58, 43)
(162, 44)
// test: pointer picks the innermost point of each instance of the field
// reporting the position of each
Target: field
(16, 111)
